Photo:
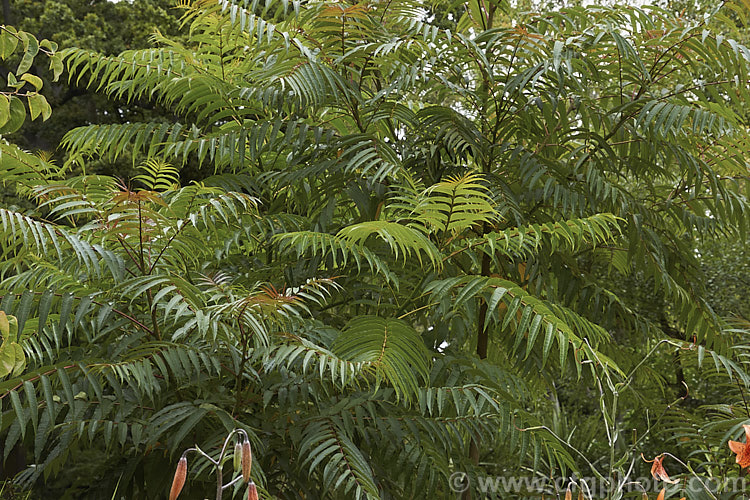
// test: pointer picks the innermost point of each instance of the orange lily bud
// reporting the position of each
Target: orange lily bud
(247, 460)
(180, 476)
(252, 491)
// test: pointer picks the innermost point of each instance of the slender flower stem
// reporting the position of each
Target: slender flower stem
(206, 455)
(220, 464)
(232, 482)
(219, 479)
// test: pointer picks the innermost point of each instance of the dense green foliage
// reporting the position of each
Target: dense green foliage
(415, 249)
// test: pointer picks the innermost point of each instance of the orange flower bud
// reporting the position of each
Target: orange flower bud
(179, 478)
(568, 494)
(247, 460)
(252, 491)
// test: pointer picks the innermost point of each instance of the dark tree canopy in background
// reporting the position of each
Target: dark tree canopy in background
(100, 25)
(391, 241)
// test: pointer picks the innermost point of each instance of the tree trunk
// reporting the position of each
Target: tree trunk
(482, 344)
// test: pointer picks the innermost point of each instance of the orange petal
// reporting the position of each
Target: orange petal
(743, 452)
(661, 494)
(656, 465)
(657, 470)
(736, 446)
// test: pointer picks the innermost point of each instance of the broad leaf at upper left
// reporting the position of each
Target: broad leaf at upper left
(21, 100)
